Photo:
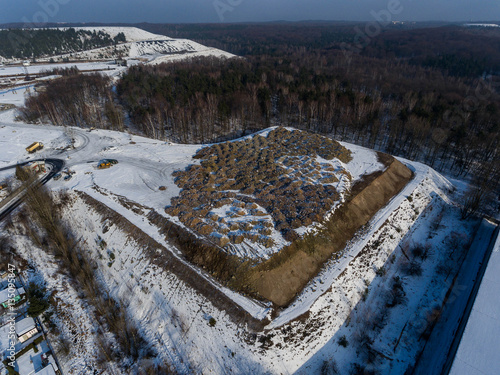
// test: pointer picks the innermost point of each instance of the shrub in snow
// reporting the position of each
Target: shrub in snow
(343, 341)
(413, 268)
(267, 242)
(237, 239)
(421, 252)
(205, 229)
(381, 271)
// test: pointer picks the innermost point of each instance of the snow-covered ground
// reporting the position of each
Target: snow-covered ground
(481, 25)
(14, 96)
(15, 137)
(175, 318)
(83, 66)
(144, 166)
(478, 350)
(140, 45)
(132, 34)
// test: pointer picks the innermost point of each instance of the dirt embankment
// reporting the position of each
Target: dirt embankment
(168, 262)
(283, 276)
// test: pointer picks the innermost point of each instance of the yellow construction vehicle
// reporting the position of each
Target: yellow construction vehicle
(103, 164)
(35, 146)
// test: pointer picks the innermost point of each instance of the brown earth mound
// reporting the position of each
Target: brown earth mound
(283, 276)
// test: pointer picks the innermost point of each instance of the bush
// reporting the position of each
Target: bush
(38, 302)
(421, 252)
(212, 322)
(365, 294)
(413, 268)
(381, 271)
(396, 296)
(343, 341)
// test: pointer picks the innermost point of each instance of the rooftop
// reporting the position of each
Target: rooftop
(24, 325)
(478, 350)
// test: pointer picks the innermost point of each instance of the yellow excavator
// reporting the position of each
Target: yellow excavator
(103, 164)
(106, 163)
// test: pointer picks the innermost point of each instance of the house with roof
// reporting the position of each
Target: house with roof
(19, 294)
(40, 362)
(25, 329)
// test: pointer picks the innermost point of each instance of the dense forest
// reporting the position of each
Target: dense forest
(76, 100)
(463, 51)
(441, 108)
(36, 43)
(405, 110)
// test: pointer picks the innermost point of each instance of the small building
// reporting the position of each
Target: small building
(49, 370)
(25, 329)
(35, 167)
(19, 294)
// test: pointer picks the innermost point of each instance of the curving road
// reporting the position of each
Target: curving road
(11, 203)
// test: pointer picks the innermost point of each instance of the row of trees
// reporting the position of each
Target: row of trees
(408, 106)
(76, 100)
(35, 43)
(126, 344)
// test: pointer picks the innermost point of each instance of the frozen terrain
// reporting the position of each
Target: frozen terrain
(140, 45)
(346, 299)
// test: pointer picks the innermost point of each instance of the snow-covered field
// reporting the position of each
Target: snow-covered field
(481, 25)
(140, 45)
(84, 66)
(144, 166)
(343, 300)
(175, 317)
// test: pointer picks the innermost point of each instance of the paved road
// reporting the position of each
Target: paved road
(56, 166)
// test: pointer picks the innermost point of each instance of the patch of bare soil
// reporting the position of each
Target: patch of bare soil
(163, 258)
(284, 275)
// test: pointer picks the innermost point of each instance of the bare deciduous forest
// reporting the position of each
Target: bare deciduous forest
(412, 92)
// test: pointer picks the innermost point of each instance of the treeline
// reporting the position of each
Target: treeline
(36, 43)
(457, 50)
(423, 111)
(461, 51)
(75, 100)
(57, 239)
(406, 110)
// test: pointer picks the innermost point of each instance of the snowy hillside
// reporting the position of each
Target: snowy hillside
(199, 326)
(159, 51)
(132, 34)
(146, 46)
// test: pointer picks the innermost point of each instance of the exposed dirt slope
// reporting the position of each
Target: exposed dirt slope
(283, 276)
(163, 258)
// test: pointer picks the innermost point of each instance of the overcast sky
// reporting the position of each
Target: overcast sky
(180, 11)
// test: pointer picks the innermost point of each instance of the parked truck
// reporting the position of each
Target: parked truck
(35, 146)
